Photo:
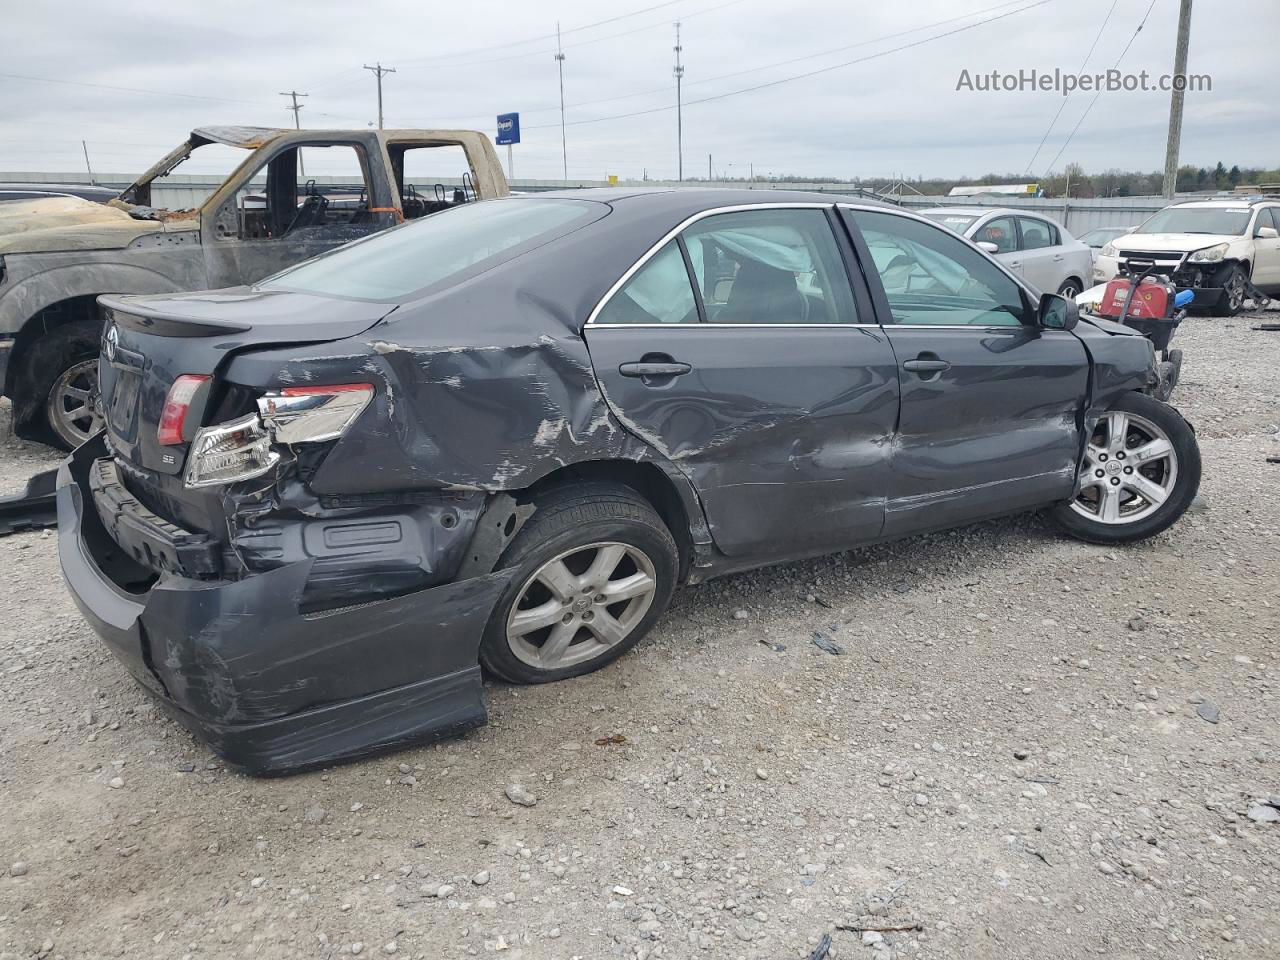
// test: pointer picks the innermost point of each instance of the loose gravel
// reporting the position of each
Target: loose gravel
(1028, 747)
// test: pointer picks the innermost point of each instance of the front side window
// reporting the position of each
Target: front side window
(779, 266)
(449, 246)
(999, 231)
(930, 276)
(1267, 217)
(659, 292)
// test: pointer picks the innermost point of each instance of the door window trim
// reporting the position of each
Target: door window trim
(675, 233)
(876, 287)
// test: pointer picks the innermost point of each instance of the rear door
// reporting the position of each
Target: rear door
(989, 400)
(740, 351)
(1041, 254)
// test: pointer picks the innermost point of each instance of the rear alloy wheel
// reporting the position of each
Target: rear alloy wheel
(1069, 289)
(1140, 472)
(72, 407)
(593, 569)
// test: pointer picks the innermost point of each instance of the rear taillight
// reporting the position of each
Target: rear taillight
(176, 406)
(313, 414)
(242, 449)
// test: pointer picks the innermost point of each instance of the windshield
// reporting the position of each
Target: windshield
(959, 222)
(444, 246)
(1219, 221)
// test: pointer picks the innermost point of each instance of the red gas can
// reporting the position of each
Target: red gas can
(1151, 301)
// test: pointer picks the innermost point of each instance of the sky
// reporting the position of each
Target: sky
(131, 79)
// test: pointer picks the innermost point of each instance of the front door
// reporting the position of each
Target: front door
(1266, 266)
(989, 400)
(304, 201)
(765, 379)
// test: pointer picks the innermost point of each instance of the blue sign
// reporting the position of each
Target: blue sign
(508, 128)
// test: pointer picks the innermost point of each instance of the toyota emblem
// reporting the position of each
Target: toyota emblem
(110, 342)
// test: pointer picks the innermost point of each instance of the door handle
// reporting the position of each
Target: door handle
(926, 364)
(653, 368)
(1058, 258)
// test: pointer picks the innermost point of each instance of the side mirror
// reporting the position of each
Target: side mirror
(1267, 233)
(1058, 313)
(986, 246)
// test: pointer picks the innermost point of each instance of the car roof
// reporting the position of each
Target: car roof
(692, 200)
(1228, 202)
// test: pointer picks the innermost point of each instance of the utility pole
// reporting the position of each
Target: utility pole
(708, 168)
(1175, 104)
(378, 71)
(679, 75)
(564, 147)
(87, 165)
(297, 123)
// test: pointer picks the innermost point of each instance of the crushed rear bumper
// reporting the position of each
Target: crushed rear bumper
(270, 689)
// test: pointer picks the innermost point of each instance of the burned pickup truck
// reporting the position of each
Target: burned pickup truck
(58, 254)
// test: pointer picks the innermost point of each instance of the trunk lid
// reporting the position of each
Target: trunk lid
(148, 342)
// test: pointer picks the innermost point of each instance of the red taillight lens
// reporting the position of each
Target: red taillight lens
(176, 405)
(331, 388)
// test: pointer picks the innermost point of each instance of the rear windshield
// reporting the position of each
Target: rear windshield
(958, 222)
(1217, 221)
(449, 245)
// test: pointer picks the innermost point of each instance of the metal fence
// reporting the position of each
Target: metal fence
(178, 192)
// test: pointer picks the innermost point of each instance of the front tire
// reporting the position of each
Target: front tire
(594, 569)
(62, 373)
(1140, 472)
(1233, 281)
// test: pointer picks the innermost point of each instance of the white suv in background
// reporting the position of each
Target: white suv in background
(1224, 242)
(1038, 249)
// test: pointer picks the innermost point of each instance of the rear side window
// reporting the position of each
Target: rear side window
(659, 292)
(1037, 234)
(445, 247)
(770, 267)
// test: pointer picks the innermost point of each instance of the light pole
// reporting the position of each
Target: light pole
(564, 148)
(679, 75)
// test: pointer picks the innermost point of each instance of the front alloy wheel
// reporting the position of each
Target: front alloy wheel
(1130, 470)
(1139, 473)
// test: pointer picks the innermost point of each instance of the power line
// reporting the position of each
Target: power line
(811, 73)
(1080, 122)
(1063, 104)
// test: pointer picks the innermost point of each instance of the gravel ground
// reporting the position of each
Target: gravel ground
(1030, 747)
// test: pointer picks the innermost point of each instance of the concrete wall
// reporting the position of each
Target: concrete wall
(1079, 216)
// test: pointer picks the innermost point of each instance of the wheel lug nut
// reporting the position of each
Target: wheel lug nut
(588, 615)
(567, 618)
(1128, 469)
(599, 598)
(1120, 455)
(1101, 473)
(1115, 481)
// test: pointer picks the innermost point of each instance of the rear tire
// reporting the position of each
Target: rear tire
(593, 570)
(62, 377)
(1141, 472)
(1071, 288)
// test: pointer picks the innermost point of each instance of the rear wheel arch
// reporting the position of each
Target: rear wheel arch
(650, 481)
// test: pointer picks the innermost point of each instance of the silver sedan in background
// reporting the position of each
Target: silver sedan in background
(1036, 248)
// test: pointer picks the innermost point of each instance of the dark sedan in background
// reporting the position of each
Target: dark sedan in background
(501, 436)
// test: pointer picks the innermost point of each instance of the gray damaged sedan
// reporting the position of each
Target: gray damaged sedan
(497, 439)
